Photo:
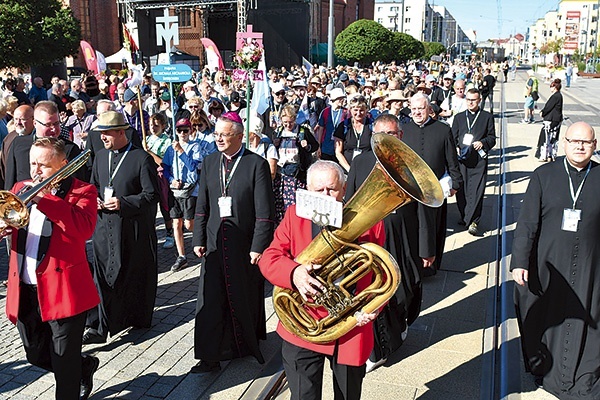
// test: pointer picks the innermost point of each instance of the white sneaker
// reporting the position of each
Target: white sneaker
(373, 365)
(169, 242)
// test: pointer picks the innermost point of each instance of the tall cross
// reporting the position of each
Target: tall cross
(242, 37)
(167, 28)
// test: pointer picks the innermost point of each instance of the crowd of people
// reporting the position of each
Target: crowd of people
(184, 154)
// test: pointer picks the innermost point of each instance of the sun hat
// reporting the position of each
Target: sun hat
(110, 120)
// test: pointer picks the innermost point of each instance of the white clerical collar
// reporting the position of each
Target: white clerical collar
(234, 154)
(425, 123)
(577, 168)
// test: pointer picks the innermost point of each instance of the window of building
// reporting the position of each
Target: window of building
(394, 9)
(379, 9)
(380, 20)
(185, 18)
(549, 33)
(594, 19)
(407, 20)
(407, 8)
(392, 20)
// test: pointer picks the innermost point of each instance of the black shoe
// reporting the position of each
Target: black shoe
(93, 338)
(539, 381)
(473, 229)
(180, 264)
(429, 271)
(87, 377)
(205, 366)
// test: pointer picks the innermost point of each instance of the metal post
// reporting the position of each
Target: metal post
(248, 87)
(330, 35)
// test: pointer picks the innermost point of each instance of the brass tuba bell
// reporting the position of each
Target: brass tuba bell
(13, 207)
(398, 177)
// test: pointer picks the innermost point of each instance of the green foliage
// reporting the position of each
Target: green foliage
(405, 47)
(577, 56)
(36, 32)
(597, 68)
(581, 66)
(433, 49)
(364, 41)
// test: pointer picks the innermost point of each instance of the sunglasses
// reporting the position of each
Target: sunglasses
(183, 130)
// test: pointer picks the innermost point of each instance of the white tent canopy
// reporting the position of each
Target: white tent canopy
(119, 56)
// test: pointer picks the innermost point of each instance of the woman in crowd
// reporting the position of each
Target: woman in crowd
(547, 148)
(215, 109)
(295, 145)
(262, 145)
(201, 124)
(157, 144)
(79, 123)
(378, 104)
(353, 136)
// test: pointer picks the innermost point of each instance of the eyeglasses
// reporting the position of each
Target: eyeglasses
(393, 133)
(183, 130)
(279, 93)
(199, 124)
(477, 99)
(223, 135)
(193, 106)
(581, 142)
(49, 124)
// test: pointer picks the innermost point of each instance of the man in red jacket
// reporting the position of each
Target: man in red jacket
(50, 285)
(303, 361)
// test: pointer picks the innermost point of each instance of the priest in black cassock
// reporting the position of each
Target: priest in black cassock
(125, 263)
(475, 135)
(555, 263)
(432, 141)
(402, 241)
(234, 224)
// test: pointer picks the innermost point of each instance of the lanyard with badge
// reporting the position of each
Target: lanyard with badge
(468, 138)
(225, 203)
(109, 190)
(572, 216)
(357, 151)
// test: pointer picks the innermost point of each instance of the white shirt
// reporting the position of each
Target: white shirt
(32, 244)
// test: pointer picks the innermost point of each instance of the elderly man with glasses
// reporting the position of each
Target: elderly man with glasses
(555, 262)
(46, 123)
(475, 135)
(234, 224)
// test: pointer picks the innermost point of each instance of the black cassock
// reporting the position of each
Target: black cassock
(433, 142)
(473, 166)
(558, 309)
(402, 241)
(125, 262)
(230, 313)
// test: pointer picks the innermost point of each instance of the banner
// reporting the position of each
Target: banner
(101, 61)
(130, 43)
(213, 57)
(89, 55)
(261, 94)
(307, 65)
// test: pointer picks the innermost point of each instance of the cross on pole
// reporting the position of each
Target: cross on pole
(242, 37)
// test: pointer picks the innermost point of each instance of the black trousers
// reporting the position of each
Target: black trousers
(53, 345)
(304, 371)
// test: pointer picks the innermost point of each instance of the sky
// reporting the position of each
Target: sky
(482, 15)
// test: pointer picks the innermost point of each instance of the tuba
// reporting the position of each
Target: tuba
(13, 207)
(398, 177)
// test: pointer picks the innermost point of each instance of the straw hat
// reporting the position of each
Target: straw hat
(396, 95)
(377, 95)
(110, 120)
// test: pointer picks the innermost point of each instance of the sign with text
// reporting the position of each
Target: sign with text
(321, 209)
(172, 73)
(242, 75)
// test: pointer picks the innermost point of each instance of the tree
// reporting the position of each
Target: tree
(36, 32)
(405, 47)
(364, 41)
(433, 49)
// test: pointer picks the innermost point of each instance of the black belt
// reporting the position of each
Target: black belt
(29, 286)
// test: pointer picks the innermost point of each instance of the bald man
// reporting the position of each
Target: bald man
(554, 262)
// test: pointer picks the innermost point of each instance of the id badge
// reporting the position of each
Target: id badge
(571, 218)
(225, 206)
(109, 192)
(355, 153)
(467, 139)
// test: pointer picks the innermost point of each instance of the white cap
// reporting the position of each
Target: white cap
(277, 87)
(336, 93)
